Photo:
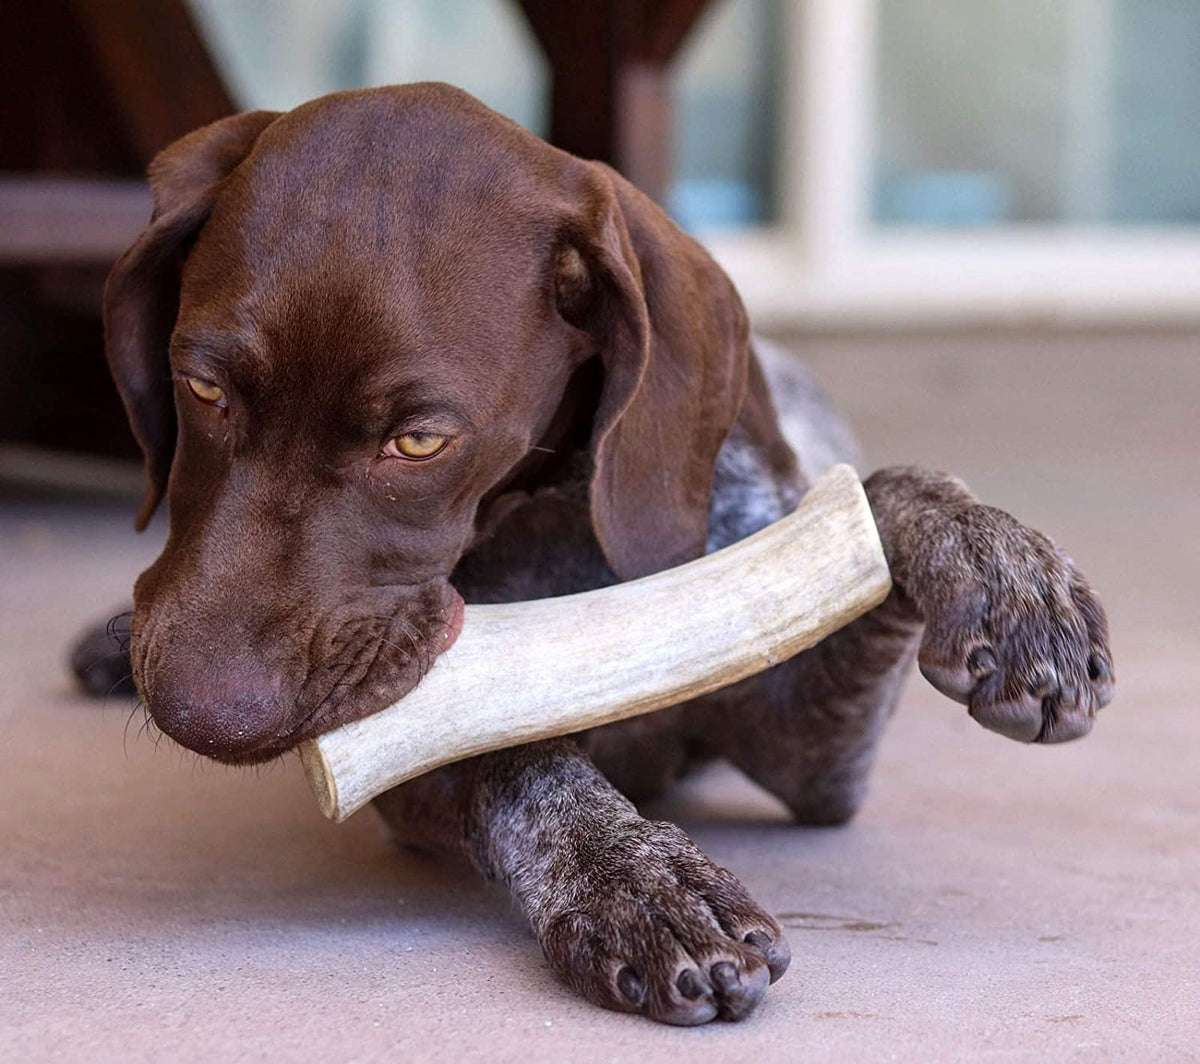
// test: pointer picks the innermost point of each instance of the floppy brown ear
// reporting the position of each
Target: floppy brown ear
(141, 296)
(674, 346)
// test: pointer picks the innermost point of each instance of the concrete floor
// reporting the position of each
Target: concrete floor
(992, 902)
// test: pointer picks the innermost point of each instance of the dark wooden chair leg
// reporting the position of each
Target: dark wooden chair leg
(610, 67)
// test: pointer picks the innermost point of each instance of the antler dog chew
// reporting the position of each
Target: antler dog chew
(533, 670)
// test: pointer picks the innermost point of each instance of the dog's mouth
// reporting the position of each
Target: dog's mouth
(217, 733)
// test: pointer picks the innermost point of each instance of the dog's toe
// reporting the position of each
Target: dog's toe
(669, 935)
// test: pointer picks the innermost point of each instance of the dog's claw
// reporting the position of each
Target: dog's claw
(666, 933)
(631, 987)
(776, 951)
(690, 985)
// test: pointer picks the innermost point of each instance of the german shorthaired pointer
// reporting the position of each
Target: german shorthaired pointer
(389, 352)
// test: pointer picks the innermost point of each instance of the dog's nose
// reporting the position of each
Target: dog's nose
(220, 709)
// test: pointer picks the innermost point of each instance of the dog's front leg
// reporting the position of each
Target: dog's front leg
(628, 911)
(1012, 628)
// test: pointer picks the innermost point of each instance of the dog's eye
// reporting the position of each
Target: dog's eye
(416, 446)
(205, 391)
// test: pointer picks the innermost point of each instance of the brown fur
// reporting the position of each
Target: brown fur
(381, 257)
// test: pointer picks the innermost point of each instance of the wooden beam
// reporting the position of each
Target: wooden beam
(610, 79)
(665, 27)
(61, 221)
(155, 66)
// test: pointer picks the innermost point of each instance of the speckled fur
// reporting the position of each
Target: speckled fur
(624, 907)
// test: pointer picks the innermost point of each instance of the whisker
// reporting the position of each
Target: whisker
(120, 680)
(395, 646)
(103, 658)
(411, 633)
(138, 704)
(110, 627)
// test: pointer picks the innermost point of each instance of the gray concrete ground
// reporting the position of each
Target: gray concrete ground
(991, 903)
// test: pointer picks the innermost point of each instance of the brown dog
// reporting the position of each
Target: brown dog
(387, 352)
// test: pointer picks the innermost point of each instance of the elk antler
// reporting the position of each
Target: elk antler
(533, 670)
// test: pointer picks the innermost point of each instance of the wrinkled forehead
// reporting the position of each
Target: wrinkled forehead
(371, 234)
(356, 196)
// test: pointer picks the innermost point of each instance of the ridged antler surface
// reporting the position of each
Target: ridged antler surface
(532, 670)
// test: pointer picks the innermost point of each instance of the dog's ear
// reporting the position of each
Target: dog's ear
(141, 296)
(673, 340)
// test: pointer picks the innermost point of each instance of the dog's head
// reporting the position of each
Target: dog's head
(344, 330)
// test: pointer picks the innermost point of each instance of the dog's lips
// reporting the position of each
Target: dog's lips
(258, 755)
(444, 637)
(451, 629)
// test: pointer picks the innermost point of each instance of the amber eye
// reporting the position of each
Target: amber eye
(205, 391)
(416, 446)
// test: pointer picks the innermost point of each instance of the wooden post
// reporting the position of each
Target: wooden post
(610, 96)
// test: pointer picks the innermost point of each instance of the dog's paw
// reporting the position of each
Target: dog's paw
(1016, 634)
(651, 925)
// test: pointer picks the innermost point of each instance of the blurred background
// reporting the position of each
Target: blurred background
(978, 221)
(851, 162)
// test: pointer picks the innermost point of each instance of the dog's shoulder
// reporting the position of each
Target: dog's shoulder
(786, 436)
(540, 543)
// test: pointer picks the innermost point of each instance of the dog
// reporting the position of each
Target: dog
(389, 352)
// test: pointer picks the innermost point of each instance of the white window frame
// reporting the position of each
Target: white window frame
(826, 262)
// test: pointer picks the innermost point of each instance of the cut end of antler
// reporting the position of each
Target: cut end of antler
(321, 779)
(534, 670)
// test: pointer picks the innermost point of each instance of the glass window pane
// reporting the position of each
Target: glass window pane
(999, 112)
(1154, 173)
(725, 92)
(279, 53)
